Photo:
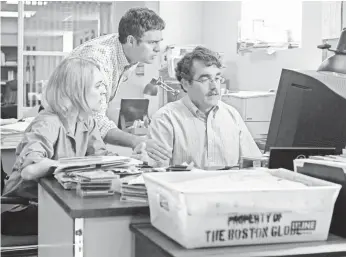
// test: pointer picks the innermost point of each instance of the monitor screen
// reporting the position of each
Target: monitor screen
(309, 111)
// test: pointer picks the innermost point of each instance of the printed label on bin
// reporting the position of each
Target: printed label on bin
(259, 226)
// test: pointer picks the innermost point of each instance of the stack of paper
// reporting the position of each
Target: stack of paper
(327, 160)
(95, 162)
(134, 190)
(94, 173)
(12, 134)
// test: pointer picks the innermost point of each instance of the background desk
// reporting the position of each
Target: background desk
(149, 242)
(73, 226)
(8, 157)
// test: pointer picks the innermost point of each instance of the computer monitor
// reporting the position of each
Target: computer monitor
(283, 157)
(309, 111)
(132, 109)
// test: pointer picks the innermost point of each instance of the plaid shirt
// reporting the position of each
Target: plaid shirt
(108, 52)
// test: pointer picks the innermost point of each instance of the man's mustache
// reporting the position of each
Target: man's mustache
(214, 92)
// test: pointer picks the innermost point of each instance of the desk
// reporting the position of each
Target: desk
(149, 242)
(73, 226)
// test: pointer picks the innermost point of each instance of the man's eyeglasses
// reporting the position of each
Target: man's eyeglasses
(205, 81)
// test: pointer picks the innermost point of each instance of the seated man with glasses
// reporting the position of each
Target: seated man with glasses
(200, 128)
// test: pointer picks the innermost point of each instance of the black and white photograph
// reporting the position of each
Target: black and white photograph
(173, 128)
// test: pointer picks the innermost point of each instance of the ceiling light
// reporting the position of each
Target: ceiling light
(27, 2)
(27, 14)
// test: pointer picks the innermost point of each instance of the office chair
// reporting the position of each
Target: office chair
(16, 246)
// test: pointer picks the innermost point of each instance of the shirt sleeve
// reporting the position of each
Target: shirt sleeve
(37, 143)
(103, 122)
(96, 145)
(161, 130)
(248, 146)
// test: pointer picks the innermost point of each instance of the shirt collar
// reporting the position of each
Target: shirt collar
(194, 110)
(82, 122)
(81, 126)
(123, 63)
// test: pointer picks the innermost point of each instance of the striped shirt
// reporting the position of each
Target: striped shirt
(216, 140)
(107, 51)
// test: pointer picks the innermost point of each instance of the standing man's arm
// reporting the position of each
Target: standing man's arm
(111, 134)
(161, 130)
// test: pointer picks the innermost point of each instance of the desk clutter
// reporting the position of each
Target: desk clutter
(12, 131)
(133, 189)
(95, 175)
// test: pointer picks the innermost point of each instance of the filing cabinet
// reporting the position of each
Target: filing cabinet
(255, 107)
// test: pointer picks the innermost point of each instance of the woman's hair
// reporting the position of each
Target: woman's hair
(68, 85)
(137, 21)
(200, 53)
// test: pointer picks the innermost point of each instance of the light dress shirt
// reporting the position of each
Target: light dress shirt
(216, 140)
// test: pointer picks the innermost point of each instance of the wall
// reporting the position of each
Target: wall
(183, 22)
(220, 32)
(259, 71)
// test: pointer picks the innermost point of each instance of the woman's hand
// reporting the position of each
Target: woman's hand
(38, 170)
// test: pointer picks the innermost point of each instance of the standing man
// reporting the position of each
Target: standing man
(138, 40)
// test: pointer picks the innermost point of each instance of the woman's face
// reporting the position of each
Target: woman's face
(97, 91)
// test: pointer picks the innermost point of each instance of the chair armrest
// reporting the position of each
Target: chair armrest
(14, 200)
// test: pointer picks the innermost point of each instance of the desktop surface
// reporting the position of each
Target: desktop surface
(89, 207)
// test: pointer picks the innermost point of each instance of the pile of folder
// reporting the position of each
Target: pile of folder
(94, 175)
(133, 190)
(86, 180)
(95, 183)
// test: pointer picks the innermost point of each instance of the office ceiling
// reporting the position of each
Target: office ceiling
(58, 16)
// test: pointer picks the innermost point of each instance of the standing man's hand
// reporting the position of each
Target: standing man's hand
(157, 151)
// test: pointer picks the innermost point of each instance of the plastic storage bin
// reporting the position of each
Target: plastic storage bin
(196, 211)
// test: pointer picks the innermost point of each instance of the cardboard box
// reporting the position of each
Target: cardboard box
(199, 215)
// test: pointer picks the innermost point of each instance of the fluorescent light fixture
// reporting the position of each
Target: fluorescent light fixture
(27, 14)
(27, 2)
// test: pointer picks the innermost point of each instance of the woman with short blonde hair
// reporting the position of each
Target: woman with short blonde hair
(65, 128)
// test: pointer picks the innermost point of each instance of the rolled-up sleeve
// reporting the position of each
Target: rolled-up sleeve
(161, 130)
(37, 144)
(103, 122)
